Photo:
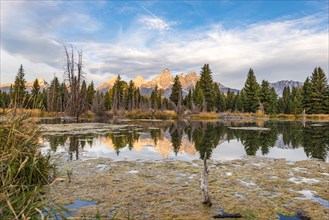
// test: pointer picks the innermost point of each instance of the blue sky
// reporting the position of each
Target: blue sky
(278, 39)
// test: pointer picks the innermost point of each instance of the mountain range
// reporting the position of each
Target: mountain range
(164, 80)
(42, 83)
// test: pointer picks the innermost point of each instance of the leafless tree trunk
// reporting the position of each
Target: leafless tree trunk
(98, 107)
(75, 104)
(204, 183)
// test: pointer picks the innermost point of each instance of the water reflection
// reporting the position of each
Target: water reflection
(183, 140)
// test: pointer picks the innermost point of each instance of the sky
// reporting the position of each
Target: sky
(279, 40)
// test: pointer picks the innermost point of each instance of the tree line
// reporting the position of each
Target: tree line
(75, 97)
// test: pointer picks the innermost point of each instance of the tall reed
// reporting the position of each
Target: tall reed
(23, 169)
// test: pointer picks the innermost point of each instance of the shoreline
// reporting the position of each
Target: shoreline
(258, 188)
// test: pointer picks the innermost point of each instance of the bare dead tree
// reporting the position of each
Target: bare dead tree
(98, 106)
(204, 183)
(75, 104)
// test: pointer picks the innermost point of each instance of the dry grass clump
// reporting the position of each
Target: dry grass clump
(23, 169)
(156, 114)
(318, 117)
(204, 116)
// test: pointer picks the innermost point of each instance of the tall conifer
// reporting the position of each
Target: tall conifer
(251, 92)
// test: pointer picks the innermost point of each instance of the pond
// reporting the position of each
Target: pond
(133, 140)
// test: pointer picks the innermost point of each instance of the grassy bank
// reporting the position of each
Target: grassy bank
(171, 115)
(23, 169)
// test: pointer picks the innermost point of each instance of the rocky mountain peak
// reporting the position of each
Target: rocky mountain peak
(42, 83)
(163, 80)
(280, 85)
(188, 80)
(107, 85)
(139, 81)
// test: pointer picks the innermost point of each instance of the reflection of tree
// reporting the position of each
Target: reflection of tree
(155, 135)
(56, 141)
(255, 140)
(316, 142)
(176, 134)
(132, 137)
(73, 147)
(123, 139)
(206, 137)
(83, 143)
(292, 133)
(118, 143)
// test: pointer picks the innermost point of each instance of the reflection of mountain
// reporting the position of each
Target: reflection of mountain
(281, 144)
(163, 146)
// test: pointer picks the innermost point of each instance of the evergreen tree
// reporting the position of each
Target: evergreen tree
(83, 95)
(318, 92)
(306, 95)
(19, 89)
(268, 97)
(188, 100)
(176, 92)
(296, 101)
(220, 99)
(90, 94)
(35, 92)
(327, 99)
(43, 99)
(116, 94)
(243, 98)
(4, 100)
(53, 101)
(207, 86)
(230, 102)
(286, 95)
(238, 103)
(251, 92)
(198, 97)
(63, 93)
(130, 96)
(154, 98)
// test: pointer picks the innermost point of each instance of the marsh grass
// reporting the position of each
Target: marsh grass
(24, 170)
(205, 116)
(156, 114)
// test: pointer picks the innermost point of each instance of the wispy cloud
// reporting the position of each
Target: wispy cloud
(154, 23)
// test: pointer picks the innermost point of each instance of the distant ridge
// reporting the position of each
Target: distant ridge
(42, 83)
(280, 85)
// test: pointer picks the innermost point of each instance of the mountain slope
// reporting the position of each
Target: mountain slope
(280, 85)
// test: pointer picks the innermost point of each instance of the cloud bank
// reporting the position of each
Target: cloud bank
(282, 49)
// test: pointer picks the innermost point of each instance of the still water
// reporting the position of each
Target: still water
(192, 140)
